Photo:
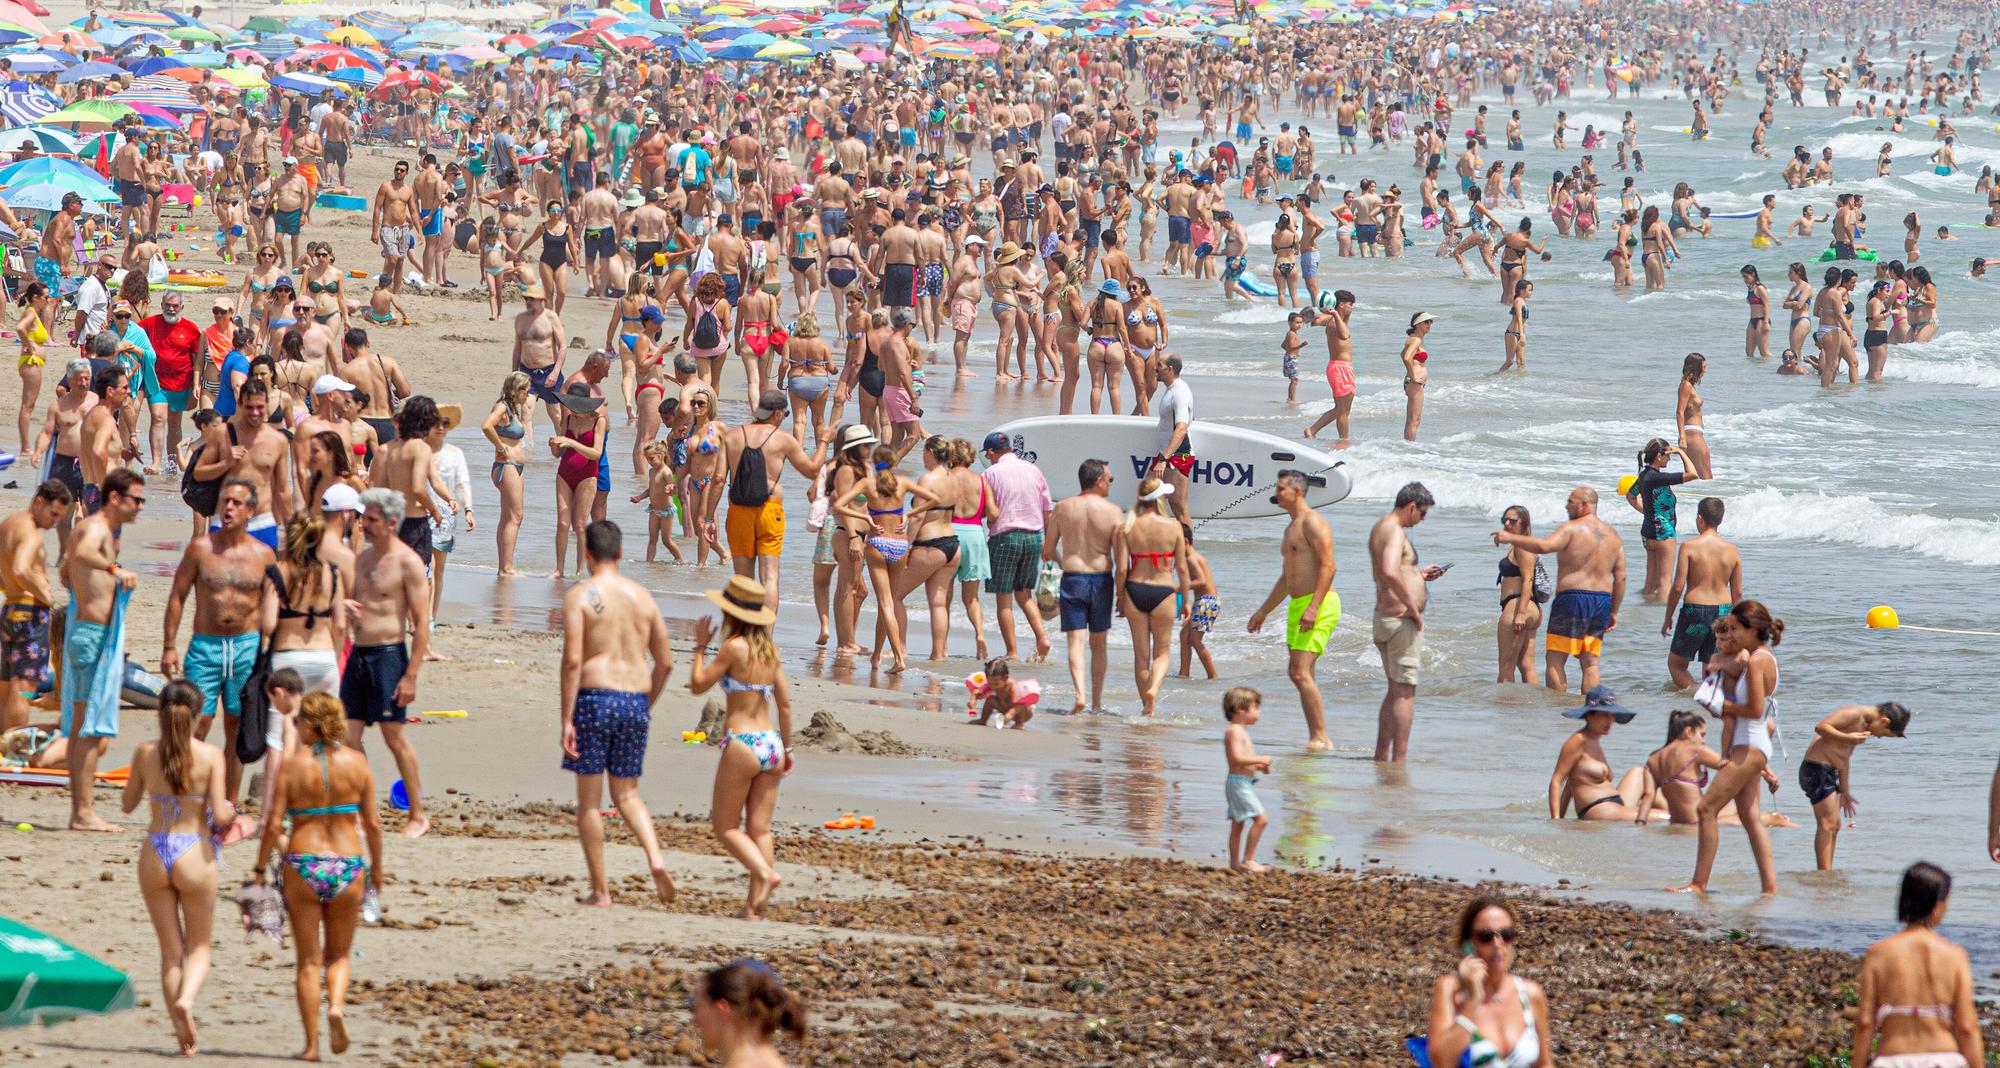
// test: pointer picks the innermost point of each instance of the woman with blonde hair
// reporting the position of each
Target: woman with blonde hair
(877, 505)
(621, 333)
(37, 307)
(755, 756)
(328, 793)
(183, 777)
(304, 615)
(704, 474)
(508, 426)
(968, 518)
(807, 374)
(1153, 596)
(254, 298)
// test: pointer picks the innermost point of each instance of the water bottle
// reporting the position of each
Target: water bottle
(371, 907)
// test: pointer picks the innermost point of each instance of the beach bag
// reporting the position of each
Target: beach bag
(1544, 587)
(1709, 694)
(707, 330)
(202, 494)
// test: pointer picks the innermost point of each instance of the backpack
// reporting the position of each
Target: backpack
(707, 329)
(254, 718)
(1544, 587)
(202, 494)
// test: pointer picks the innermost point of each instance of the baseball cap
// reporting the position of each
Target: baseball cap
(291, 161)
(996, 442)
(326, 384)
(771, 402)
(340, 497)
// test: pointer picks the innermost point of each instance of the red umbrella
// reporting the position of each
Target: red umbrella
(519, 40)
(404, 80)
(593, 39)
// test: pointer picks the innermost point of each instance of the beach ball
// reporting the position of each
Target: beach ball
(197, 200)
(1883, 617)
(1327, 300)
(1625, 485)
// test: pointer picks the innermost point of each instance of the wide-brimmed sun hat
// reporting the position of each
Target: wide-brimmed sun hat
(1601, 699)
(744, 599)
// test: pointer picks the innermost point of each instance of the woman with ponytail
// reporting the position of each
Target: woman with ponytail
(183, 778)
(739, 1007)
(876, 506)
(1749, 709)
(305, 613)
(1652, 496)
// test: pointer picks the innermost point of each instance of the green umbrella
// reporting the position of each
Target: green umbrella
(264, 24)
(193, 33)
(44, 980)
(92, 112)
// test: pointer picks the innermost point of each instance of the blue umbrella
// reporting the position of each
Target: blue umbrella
(156, 64)
(566, 52)
(117, 37)
(86, 71)
(66, 173)
(562, 29)
(34, 63)
(49, 197)
(24, 104)
(361, 76)
(8, 37)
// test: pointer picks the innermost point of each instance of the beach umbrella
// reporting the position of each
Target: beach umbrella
(242, 77)
(156, 64)
(154, 116)
(158, 96)
(351, 35)
(119, 37)
(950, 50)
(14, 14)
(42, 137)
(88, 71)
(783, 50)
(24, 104)
(158, 19)
(37, 62)
(298, 82)
(68, 175)
(43, 980)
(264, 24)
(185, 34)
(49, 197)
(357, 76)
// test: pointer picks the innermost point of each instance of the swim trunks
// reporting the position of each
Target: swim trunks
(217, 664)
(368, 683)
(1819, 782)
(1016, 559)
(1312, 641)
(1085, 601)
(1694, 631)
(1577, 622)
(756, 531)
(1207, 609)
(1340, 377)
(1241, 793)
(24, 644)
(611, 728)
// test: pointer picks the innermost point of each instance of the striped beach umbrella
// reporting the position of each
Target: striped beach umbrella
(23, 104)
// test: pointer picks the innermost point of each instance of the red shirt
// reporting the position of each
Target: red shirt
(173, 351)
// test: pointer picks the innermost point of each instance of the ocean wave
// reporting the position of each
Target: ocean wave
(1957, 372)
(1849, 520)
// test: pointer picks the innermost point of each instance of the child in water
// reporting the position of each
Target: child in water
(1293, 343)
(1242, 706)
(659, 498)
(1201, 618)
(1013, 702)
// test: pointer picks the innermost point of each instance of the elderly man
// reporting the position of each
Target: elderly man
(391, 598)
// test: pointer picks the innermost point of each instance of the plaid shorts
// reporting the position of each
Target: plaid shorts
(1016, 557)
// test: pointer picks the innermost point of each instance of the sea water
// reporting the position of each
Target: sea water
(1840, 500)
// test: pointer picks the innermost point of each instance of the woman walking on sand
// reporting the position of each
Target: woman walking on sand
(327, 791)
(182, 777)
(1916, 987)
(1749, 718)
(1482, 1010)
(755, 757)
(739, 1006)
(1153, 595)
(508, 426)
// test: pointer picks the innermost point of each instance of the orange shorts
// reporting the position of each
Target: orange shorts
(758, 531)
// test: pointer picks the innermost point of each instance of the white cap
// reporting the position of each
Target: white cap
(1164, 489)
(326, 384)
(290, 161)
(340, 497)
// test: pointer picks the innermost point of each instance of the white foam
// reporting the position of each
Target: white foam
(1255, 314)
(1949, 372)
(1850, 520)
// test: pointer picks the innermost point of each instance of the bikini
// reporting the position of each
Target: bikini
(512, 430)
(765, 745)
(1484, 1053)
(327, 875)
(1147, 596)
(1681, 775)
(892, 549)
(1508, 569)
(1750, 297)
(1421, 356)
(171, 846)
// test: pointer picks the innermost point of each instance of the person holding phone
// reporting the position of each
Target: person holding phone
(1400, 595)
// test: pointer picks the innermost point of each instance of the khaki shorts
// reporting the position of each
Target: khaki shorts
(1402, 647)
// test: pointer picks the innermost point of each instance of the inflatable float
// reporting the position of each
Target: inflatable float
(197, 279)
(340, 202)
(1864, 255)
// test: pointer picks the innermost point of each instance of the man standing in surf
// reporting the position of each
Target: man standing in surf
(1590, 584)
(1081, 532)
(1305, 583)
(1339, 366)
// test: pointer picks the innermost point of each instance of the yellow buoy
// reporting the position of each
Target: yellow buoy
(1625, 485)
(1883, 617)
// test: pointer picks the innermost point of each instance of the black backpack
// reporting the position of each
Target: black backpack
(203, 494)
(254, 718)
(707, 330)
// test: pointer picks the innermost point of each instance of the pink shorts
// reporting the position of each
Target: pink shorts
(899, 402)
(1340, 376)
(964, 315)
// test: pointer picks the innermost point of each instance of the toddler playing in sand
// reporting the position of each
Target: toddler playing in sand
(1013, 702)
(1242, 706)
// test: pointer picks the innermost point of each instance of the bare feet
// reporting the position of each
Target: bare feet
(336, 1031)
(898, 667)
(1322, 742)
(95, 823)
(600, 900)
(508, 572)
(1042, 650)
(1691, 888)
(182, 1017)
(311, 1053)
(663, 884)
(1249, 867)
(416, 827)
(1078, 709)
(435, 657)
(981, 652)
(760, 893)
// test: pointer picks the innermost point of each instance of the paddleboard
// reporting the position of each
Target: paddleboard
(1257, 286)
(1235, 472)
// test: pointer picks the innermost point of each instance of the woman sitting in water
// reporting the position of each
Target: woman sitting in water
(1916, 987)
(1481, 1009)
(1583, 774)
(1677, 772)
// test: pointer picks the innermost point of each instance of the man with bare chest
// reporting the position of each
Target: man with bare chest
(62, 431)
(538, 346)
(225, 570)
(247, 447)
(24, 620)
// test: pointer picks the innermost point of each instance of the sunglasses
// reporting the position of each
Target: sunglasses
(141, 501)
(267, 255)
(121, 315)
(1504, 934)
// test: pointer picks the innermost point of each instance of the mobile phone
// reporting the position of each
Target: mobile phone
(1442, 568)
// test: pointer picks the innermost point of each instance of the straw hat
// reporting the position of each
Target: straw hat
(744, 599)
(451, 415)
(1008, 252)
(534, 291)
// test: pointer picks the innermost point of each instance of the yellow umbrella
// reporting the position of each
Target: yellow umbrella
(349, 35)
(723, 9)
(1023, 23)
(783, 50)
(242, 77)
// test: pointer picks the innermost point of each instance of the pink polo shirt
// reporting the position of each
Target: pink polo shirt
(1020, 495)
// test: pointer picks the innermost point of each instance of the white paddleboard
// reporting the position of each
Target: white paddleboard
(1235, 472)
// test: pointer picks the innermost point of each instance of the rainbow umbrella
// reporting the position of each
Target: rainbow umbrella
(953, 50)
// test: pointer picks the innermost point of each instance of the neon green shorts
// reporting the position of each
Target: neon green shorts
(1312, 641)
